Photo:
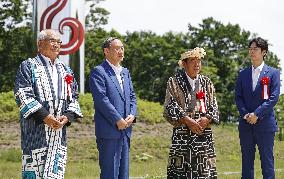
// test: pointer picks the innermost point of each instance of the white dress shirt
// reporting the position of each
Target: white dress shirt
(117, 71)
(192, 82)
(255, 75)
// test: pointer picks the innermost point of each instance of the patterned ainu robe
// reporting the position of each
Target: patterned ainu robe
(44, 150)
(191, 155)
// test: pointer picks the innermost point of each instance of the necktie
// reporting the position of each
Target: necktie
(255, 78)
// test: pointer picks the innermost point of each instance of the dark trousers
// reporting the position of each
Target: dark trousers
(265, 143)
(114, 157)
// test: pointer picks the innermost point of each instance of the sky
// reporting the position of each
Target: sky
(265, 18)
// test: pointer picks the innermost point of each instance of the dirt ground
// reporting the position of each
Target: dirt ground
(10, 134)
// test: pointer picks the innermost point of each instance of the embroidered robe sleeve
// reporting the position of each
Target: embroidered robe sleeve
(173, 112)
(25, 94)
(212, 106)
(73, 111)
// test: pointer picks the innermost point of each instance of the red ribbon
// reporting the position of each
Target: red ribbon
(201, 96)
(69, 79)
(265, 91)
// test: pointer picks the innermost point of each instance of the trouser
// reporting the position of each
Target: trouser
(114, 157)
(265, 143)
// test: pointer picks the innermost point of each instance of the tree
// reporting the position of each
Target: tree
(152, 59)
(228, 44)
(14, 13)
(96, 16)
(16, 42)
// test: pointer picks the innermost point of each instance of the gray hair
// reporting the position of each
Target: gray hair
(45, 34)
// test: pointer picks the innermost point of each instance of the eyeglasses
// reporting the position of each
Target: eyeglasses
(53, 41)
(118, 48)
(254, 48)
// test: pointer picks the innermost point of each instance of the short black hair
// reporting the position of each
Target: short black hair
(107, 42)
(260, 43)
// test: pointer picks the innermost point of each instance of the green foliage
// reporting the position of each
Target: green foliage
(12, 155)
(279, 109)
(87, 107)
(151, 58)
(8, 109)
(13, 12)
(97, 16)
(16, 45)
(150, 112)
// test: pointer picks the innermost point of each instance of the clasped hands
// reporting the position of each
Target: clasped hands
(125, 123)
(251, 118)
(55, 123)
(196, 126)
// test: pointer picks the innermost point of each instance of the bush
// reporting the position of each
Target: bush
(87, 107)
(8, 108)
(148, 112)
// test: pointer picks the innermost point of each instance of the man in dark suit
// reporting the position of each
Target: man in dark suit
(115, 109)
(257, 92)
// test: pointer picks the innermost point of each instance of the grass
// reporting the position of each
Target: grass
(149, 152)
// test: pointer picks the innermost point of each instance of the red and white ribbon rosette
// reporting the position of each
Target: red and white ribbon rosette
(265, 91)
(200, 95)
(69, 79)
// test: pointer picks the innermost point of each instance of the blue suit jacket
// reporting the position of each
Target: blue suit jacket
(249, 101)
(111, 104)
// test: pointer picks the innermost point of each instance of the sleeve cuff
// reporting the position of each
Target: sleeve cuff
(70, 116)
(39, 115)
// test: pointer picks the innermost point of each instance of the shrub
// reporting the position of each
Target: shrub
(87, 107)
(148, 112)
(8, 108)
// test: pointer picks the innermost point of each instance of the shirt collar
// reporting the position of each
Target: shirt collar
(48, 61)
(117, 70)
(259, 67)
(190, 79)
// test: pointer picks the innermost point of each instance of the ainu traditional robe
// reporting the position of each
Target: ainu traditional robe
(44, 150)
(191, 155)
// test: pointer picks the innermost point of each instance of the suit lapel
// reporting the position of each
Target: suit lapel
(248, 79)
(263, 73)
(125, 81)
(112, 76)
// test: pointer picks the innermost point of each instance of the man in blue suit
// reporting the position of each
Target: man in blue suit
(257, 92)
(115, 109)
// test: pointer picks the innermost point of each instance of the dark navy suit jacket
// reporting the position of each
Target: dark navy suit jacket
(111, 103)
(249, 101)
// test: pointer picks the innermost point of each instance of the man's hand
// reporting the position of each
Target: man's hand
(192, 125)
(252, 118)
(52, 122)
(121, 124)
(246, 116)
(63, 120)
(130, 118)
(203, 122)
